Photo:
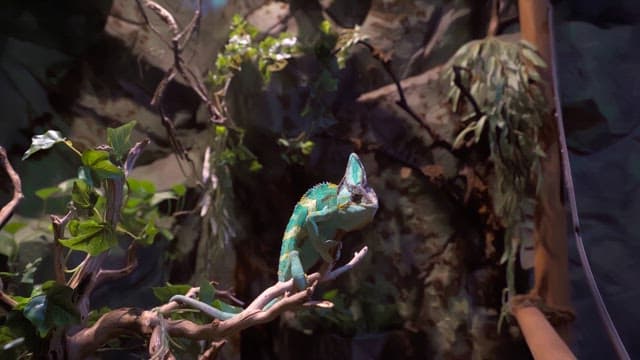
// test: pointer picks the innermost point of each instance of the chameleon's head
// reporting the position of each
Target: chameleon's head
(356, 199)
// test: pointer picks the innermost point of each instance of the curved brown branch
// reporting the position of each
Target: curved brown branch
(7, 210)
(152, 323)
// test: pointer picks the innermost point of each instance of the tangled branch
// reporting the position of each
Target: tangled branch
(152, 323)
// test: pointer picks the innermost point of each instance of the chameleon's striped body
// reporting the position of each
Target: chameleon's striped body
(324, 211)
(321, 196)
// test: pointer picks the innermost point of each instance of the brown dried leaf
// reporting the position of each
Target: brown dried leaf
(473, 182)
(433, 172)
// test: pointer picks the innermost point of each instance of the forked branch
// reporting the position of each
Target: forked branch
(153, 324)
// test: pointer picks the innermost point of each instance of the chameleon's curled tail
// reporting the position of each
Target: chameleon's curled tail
(205, 308)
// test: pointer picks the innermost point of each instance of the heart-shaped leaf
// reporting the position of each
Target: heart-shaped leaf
(90, 236)
(119, 139)
(165, 293)
(82, 196)
(43, 142)
(98, 161)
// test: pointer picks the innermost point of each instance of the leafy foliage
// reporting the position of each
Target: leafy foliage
(91, 196)
(503, 80)
(270, 54)
(50, 306)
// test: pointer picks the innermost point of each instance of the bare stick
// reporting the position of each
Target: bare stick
(402, 102)
(7, 210)
(457, 80)
(357, 257)
(59, 224)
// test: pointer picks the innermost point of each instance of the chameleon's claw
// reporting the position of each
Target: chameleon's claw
(330, 250)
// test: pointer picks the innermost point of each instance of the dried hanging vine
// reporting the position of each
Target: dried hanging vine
(506, 109)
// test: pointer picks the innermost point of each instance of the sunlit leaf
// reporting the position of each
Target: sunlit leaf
(165, 293)
(13, 227)
(98, 161)
(46, 193)
(91, 237)
(221, 305)
(534, 58)
(120, 139)
(43, 141)
(179, 189)
(162, 196)
(143, 189)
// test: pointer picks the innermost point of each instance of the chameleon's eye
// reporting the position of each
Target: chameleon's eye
(356, 198)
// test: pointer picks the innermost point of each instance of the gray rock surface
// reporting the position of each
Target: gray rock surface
(598, 60)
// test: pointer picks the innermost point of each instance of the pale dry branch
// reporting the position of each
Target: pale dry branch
(7, 210)
(163, 14)
(357, 257)
(151, 323)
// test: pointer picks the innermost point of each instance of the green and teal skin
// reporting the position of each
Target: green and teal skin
(324, 212)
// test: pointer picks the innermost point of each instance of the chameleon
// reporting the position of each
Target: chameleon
(324, 212)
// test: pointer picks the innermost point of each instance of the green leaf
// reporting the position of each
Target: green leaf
(46, 193)
(179, 190)
(29, 271)
(119, 139)
(207, 292)
(8, 246)
(43, 142)
(141, 188)
(98, 161)
(84, 174)
(306, 147)
(148, 234)
(165, 293)
(255, 166)
(221, 305)
(36, 311)
(325, 27)
(52, 308)
(13, 227)
(533, 57)
(82, 196)
(330, 295)
(91, 237)
(157, 198)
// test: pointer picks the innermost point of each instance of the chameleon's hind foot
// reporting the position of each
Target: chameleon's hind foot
(297, 271)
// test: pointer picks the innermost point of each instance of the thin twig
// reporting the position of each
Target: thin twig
(385, 61)
(59, 224)
(357, 257)
(213, 350)
(494, 20)
(457, 80)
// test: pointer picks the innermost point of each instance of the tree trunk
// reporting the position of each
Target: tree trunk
(551, 262)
